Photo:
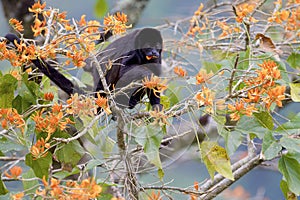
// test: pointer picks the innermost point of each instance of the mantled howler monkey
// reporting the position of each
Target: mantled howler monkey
(134, 56)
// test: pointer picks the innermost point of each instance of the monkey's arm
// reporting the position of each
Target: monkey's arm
(130, 97)
(54, 75)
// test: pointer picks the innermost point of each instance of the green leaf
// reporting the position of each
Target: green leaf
(290, 169)
(30, 184)
(233, 139)
(100, 8)
(244, 59)
(290, 127)
(165, 101)
(286, 192)
(248, 125)
(107, 146)
(7, 145)
(216, 159)
(29, 91)
(291, 144)
(39, 166)
(172, 93)
(70, 153)
(294, 60)
(8, 84)
(149, 137)
(211, 66)
(295, 91)
(270, 146)
(265, 119)
(3, 189)
(63, 174)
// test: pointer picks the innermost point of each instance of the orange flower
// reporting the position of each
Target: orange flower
(155, 196)
(102, 103)
(17, 25)
(37, 7)
(15, 172)
(159, 117)
(39, 149)
(155, 84)
(81, 105)
(18, 196)
(39, 27)
(205, 98)
(82, 21)
(10, 117)
(179, 71)
(48, 96)
(116, 23)
(199, 10)
(203, 76)
(239, 109)
(244, 10)
(275, 95)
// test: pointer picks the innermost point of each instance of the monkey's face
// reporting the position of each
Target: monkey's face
(151, 52)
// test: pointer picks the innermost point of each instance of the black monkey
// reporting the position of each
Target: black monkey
(133, 57)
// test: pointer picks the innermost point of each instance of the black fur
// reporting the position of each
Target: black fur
(128, 55)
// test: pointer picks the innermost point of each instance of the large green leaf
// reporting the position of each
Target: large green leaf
(291, 144)
(30, 184)
(216, 159)
(28, 93)
(290, 169)
(249, 125)
(70, 153)
(149, 137)
(233, 139)
(270, 146)
(39, 166)
(8, 84)
(295, 91)
(265, 119)
(290, 127)
(286, 192)
(294, 60)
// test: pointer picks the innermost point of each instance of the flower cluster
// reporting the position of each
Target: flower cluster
(9, 118)
(116, 23)
(80, 105)
(39, 149)
(227, 29)
(262, 88)
(244, 12)
(160, 117)
(14, 172)
(194, 23)
(203, 77)
(52, 121)
(17, 25)
(180, 72)
(87, 189)
(205, 98)
(102, 102)
(155, 84)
